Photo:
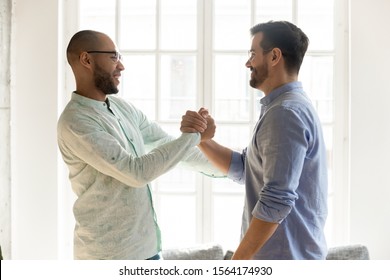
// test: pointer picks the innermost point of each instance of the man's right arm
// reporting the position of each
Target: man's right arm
(219, 155)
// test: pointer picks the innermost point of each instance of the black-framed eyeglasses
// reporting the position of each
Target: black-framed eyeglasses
(116, 56)
(252, 53)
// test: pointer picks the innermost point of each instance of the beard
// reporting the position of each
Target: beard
(259, 75)
(104, 81)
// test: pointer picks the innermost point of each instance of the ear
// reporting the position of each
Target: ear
(85, 59)
(276, 56)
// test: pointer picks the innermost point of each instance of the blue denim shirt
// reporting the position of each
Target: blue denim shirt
(112, 157)
(285, 174)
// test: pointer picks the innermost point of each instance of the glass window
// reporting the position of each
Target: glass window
(139, 83)
(227, 212)
(317, 77)
(231, 99)
(179, 225)
(315, 17)
(231, 21)
(178, 85)
(98, 15)
(178, 24)
(267, 10)
(137, 25)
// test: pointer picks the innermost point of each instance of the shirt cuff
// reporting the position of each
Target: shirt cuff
(195, 137)
(237, 169)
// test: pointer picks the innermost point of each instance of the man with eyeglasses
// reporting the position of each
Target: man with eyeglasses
(284, 167)
(113, 152)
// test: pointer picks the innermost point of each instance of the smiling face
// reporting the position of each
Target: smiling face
(107, 68)
(258, 63)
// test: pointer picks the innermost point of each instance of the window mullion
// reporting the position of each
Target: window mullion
(208, 67)
(295, 11)
(206, 74)
(158, 61)
(118, 38)
(253, 12)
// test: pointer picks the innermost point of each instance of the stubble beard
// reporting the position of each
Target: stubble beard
(259, 76)
(104, 81)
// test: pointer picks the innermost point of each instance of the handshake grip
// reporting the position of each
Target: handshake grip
(200, 121)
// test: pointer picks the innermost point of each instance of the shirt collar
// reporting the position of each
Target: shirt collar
(88, 101)
(274, 94)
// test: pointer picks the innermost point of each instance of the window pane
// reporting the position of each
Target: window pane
(328, 137)
(317, 77)
(172, 129)
(267, 10)
(231, 88)
(178, 24)
(227, 213)
(139, 82)
(330, 225)
(257, 105)
(178, 85)
(177, 223)
(231, 24)
(177, 180)
(235, 137)
(225, 185)
(138, 24)
(98, 15)
(315, 18)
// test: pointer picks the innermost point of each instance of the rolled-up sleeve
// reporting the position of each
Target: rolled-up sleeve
(283, 143)
(237, 167)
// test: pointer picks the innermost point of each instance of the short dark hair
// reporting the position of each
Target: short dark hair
(288, 38)
(85, 40)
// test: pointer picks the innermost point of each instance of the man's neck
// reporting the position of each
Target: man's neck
(91, 93)
(267, 88)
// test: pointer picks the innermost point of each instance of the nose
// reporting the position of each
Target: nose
(248, 64)
(120, 65)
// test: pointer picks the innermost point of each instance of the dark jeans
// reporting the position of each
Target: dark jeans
(155, 257)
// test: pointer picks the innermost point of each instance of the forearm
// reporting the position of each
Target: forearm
(254, 239)
(110, 158)
(219, 155)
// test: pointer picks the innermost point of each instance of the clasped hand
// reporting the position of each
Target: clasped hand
(200, 122)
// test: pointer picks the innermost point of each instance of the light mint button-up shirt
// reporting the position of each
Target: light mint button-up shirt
(112, 155)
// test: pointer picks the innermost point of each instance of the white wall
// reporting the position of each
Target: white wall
(370, 126)
(34, 97)
(36, 83)
(5, 129)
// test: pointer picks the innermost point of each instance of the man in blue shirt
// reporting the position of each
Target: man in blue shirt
(284, 166)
